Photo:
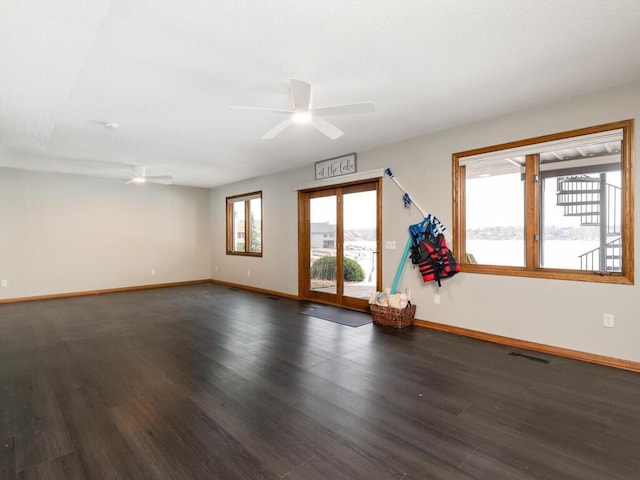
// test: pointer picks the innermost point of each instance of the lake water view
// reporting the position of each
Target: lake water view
(556, 254)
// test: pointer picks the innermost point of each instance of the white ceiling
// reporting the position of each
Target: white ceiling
(167, 71)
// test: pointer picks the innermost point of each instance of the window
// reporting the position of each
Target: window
(244, 224)
(558, 206)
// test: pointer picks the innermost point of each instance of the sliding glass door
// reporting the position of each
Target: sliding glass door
(339, 244)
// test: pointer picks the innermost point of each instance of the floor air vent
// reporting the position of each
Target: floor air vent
(529, 357)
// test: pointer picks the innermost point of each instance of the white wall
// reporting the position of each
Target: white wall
(561, 313)
(68, 233)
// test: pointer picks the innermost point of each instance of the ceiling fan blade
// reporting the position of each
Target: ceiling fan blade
(364, 107)
(300, 95)
(158, 177)
(327, 128)
(260, 109)
(277, 129)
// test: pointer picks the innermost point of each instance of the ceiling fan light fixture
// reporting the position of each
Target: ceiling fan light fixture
(303, 113)
(301, 117)
(139, 175)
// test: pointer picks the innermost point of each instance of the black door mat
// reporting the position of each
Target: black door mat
(338, 315)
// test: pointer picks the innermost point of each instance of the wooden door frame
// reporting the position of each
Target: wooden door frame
(304, 237)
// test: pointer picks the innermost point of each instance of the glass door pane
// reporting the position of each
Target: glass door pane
(322, 244)
(359, 243)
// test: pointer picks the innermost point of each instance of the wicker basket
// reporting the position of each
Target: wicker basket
(393, 317)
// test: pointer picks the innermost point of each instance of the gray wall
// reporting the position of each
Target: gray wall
(68, 233)
(561, 313)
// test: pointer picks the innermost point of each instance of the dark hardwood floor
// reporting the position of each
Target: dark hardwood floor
(206, 382)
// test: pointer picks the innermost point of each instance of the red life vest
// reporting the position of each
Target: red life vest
(434, 258)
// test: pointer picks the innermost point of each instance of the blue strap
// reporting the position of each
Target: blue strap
(403, 261)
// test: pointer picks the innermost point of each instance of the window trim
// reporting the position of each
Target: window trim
(532, 203)
(229, 203)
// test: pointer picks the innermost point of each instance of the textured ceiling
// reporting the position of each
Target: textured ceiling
(167, 72)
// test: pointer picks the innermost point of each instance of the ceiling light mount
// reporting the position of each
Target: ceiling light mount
(301, 117)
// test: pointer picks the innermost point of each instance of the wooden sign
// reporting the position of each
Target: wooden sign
(335, 167)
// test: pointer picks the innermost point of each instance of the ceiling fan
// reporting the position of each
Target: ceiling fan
(139, 175)
(302, 111)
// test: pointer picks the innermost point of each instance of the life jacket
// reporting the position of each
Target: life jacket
(433, 257)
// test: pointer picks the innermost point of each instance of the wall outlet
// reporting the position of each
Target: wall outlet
(216, 268)
(436, 299)
(608, 320)
(4, 283)
(390, 244)
(153, 271)
(248, 273)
